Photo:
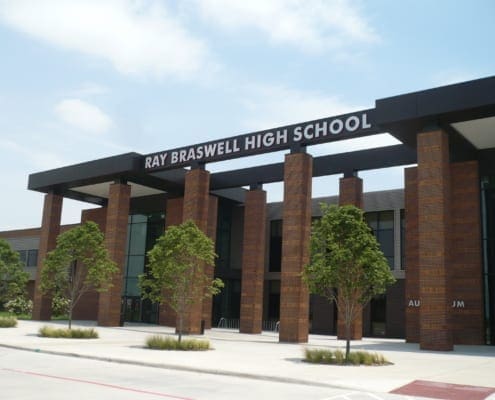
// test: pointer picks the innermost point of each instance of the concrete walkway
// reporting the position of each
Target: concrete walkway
(263, 357)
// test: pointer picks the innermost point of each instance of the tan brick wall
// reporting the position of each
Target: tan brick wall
(115, 238)
(294, 296)
(253, 262)
(50, 229)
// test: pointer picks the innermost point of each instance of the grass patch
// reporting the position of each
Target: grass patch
(8, 321)
(18, 316)
(337, 357)
(47, 331)
(159, 342)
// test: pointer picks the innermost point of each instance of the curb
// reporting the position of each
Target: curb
(269, 378)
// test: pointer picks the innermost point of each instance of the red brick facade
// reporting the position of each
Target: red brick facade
(253, 261)
(196, 196)
(294, 296)
(209, 269)
(50, 229)
(351, 193)
(109, 306)
(87, 307)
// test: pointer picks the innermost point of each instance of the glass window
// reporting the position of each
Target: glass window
(23, 256)
(32, 258)
(137, 240)
(275, 245)
(382, 225)
(131, 287)
(402, 239)
(135, 266)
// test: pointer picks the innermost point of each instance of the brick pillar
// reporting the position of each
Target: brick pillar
(411, 253)
(351, 193)
(210, 270)
(253, 261)
(50, 229)
(196, 196)
(294, 296)
(109, 307)
(433, 234)
(87, 307)
(173, 216)
(465, 269)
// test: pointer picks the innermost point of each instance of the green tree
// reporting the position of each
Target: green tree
(79, 263)
(347, 265)
(176, 269)
(13, 278)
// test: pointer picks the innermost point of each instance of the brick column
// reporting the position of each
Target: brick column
(413, 303)
(109, 307)
(433, 235)
(351, 193)
(294, 296)
(50, 229)
(173, 216)
(253, 261)
(196, 193)
(465, 269)
(210, 270)
(87, 307)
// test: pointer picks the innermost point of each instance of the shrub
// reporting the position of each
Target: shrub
(19, 305)
(60, 306)
(8, 322)
(159, 342)
(337, 357)
(47, 331)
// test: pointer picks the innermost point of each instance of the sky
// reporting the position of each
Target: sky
(82, 80)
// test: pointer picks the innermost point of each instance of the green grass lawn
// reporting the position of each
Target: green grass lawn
(20, 316)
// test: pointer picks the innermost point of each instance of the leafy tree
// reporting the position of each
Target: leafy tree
(79, 263)
(13, 278)
(176, 273)
(347, 265)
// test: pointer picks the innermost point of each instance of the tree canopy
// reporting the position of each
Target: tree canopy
(176, 269)
(13, 278)
(347, 265)
(79, 263)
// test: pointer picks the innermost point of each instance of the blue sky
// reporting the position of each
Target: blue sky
(81, 80)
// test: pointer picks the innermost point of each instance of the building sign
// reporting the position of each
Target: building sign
(455, 303)
(308, 133)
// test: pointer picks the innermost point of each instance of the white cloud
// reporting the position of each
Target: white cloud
(88, 89)
(136, 37)
(312, 25)
(272, 106)
(83, 116)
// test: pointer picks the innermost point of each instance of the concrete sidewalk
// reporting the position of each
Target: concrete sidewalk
(263, 357)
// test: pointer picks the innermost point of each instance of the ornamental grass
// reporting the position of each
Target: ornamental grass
(89, 333)
(337, 357)
(159, 342)
(8, 321)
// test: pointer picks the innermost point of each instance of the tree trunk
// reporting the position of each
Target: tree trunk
(70, 317)
(347, 340)
(180, 328)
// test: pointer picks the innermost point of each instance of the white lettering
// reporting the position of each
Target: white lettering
(458, 304)
(147, 162)
(365, 123)
(163, 157)
(236, 146)
(336, 126)
(250, 143)
(297, 134)
(268, 139)
(220, 148)
(281, 137)
(307, 134)
(352, 123)
(174, 158)
(210, 149)
(414, 303)
(321, 130)
(191, 155)
(199, 152)
(182, 155)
